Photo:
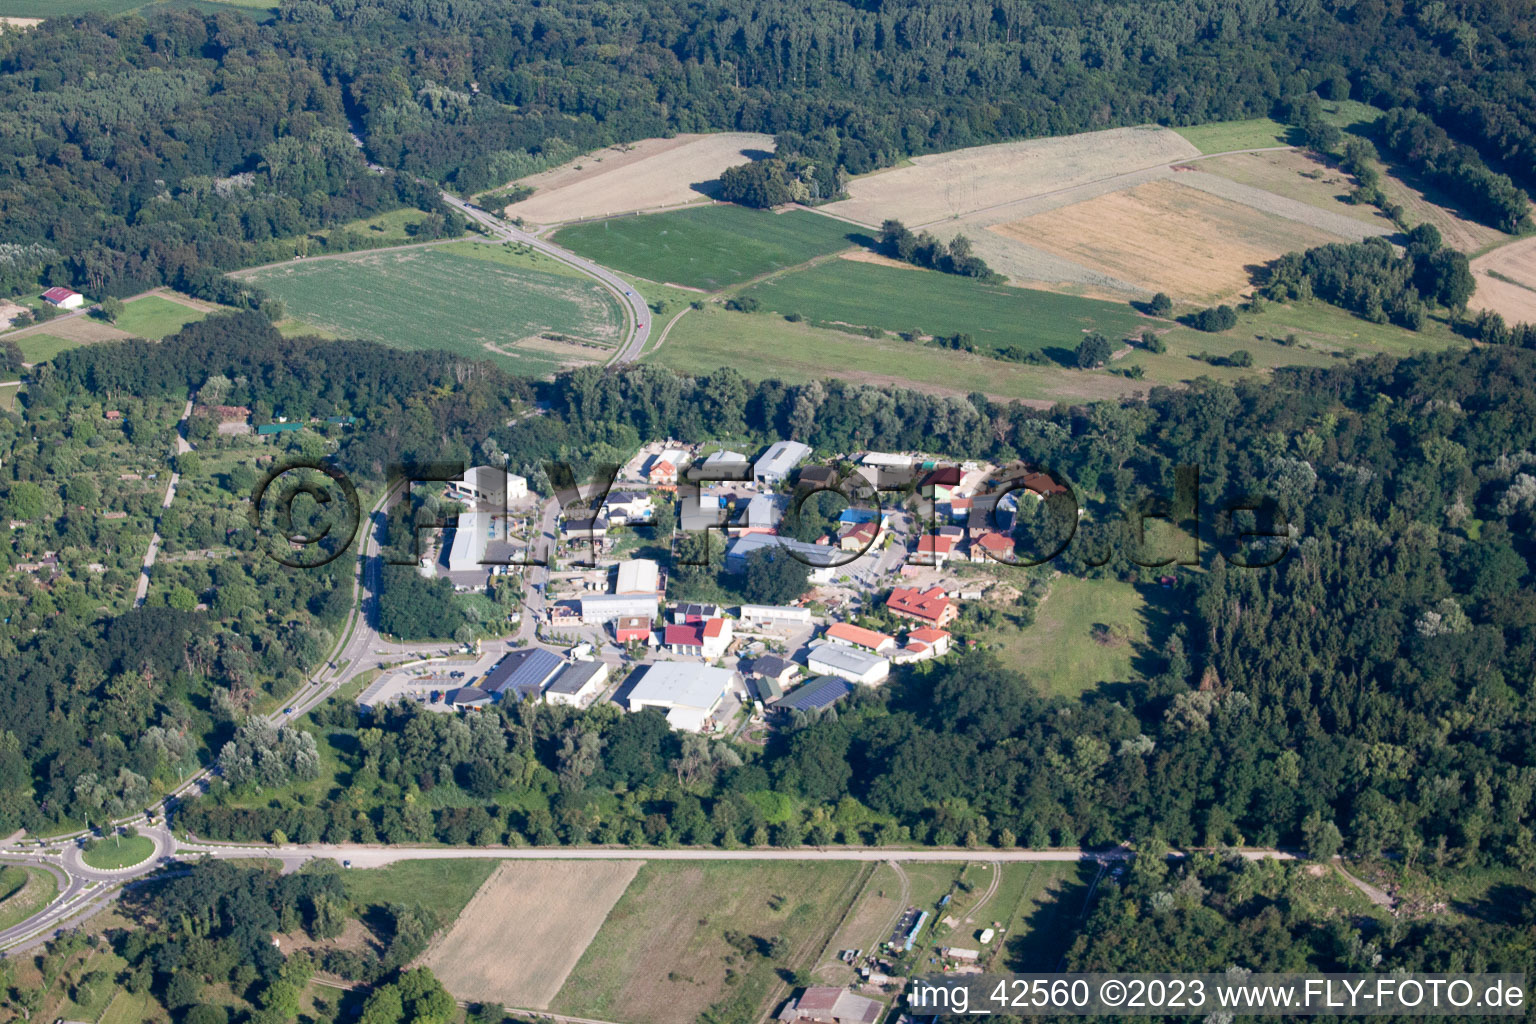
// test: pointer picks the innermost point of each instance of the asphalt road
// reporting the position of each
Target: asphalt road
(634, 305)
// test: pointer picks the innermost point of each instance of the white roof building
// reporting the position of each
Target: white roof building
(758, 614)
(726, 465)
(638, 576)
(470, 537)
(600, 609)
(779, 461)
(850, 663)
(689, 693)
(490, 487)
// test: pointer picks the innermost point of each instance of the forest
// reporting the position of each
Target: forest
(131, 159)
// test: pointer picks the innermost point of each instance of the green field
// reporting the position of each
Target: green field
(708, 247)
(154, 317)
(25, 892)
(119, 852)
(59, 8)
(389, 226)
(1225, 136)
(444, 886)
(39, 348)
(1040, 907)
(1059, 652)
(996, 316)
(663, 955)
(432, 297)
(762, 345)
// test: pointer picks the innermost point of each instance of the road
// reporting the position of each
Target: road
(85, 890)
(182, 446)
(638, 313)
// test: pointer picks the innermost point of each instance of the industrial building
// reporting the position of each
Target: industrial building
(779, 461)
(521, 674)
(577, 684)
(687, 692)
(850, 663)
(601, 609)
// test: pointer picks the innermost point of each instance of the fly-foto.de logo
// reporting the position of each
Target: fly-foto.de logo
(308, 512)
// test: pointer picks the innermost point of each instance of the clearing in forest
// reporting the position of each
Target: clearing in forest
(526, 928)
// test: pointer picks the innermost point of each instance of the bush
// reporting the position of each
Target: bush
(1153, 342)
(1216, 318)
(1092, 351)
(1161, 304)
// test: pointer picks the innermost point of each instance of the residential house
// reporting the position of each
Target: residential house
(707, 639)
(857, 636)
(922, 644)
(687, 692)
(845, 662)
(933, 549)
(992, 547)
(664, 468)
(859, 537)
(576, 685)
(779, 461)
(690, 612)
(628, 507)
(931, 607)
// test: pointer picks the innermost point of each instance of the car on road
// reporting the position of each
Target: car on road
(346, 863)
(287, 711)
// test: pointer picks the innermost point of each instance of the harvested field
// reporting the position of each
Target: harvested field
(80, 330)
(1420, 208)
(1165, 237)
(1297, 175)
(9, 311)
(683, 928)
(645, 175)
(942, 186)
(518, 939)
(1511, 294)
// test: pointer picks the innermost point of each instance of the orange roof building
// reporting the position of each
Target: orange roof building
(931, 606)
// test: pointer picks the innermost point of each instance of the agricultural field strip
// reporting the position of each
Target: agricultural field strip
(518, 939)
(646, 176)
(1514, 298)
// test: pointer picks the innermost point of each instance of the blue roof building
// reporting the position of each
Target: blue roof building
(815, 695)
(522, 674)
